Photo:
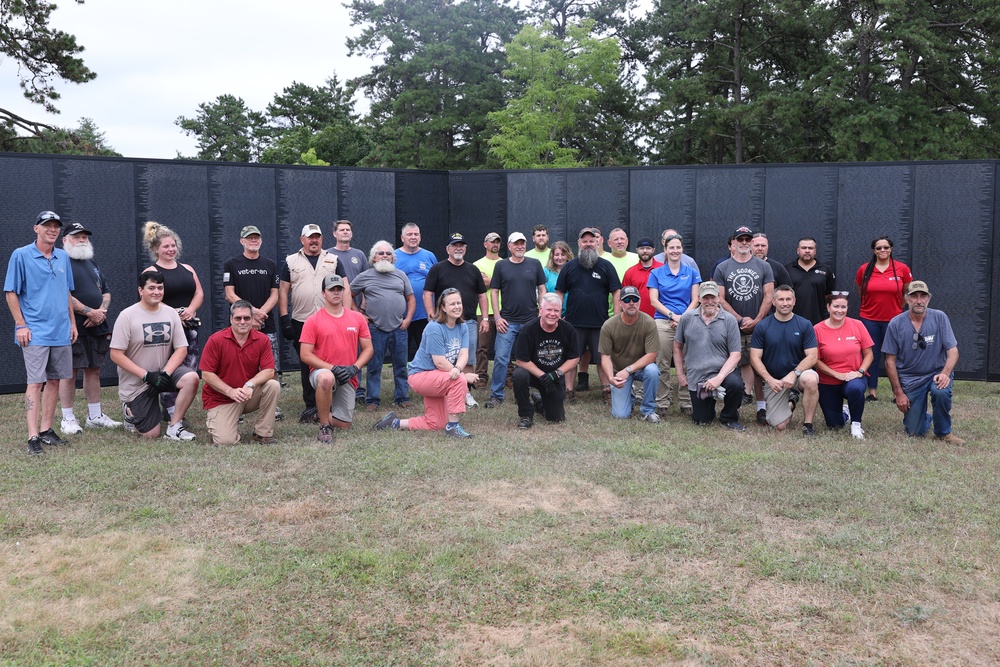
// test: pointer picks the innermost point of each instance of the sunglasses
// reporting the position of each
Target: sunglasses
(883, 247)
(630, 299)
(918, 341)
(242, 318)
(843, 294)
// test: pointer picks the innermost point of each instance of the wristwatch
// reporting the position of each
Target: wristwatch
(798, 373)
(249, 385)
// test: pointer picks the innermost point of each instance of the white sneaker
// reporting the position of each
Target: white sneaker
(470, 401)
(652, 418)
(103, 421)
(856, 431)
(847, 415)
(178, 432)
(70, 426)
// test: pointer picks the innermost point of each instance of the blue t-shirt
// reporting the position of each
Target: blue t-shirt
(914, 364)
(784, 344)
(415, 266)
(439, 340)
(42, 285)
(674, 292)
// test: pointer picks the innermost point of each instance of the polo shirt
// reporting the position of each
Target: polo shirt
(42, 285)
(811, 288)
(233, 363)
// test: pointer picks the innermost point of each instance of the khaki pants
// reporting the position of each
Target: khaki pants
(664, 391)
(222, 421)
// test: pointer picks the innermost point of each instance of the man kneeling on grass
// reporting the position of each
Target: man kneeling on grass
(237, 365)
(546, 349)
(330, 341)
(148, 345)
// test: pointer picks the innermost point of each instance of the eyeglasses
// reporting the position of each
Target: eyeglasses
(843, 294)
(883, 247)
(242, 318)
(630, 299)
(918, 341)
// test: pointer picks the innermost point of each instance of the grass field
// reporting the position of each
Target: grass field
(592, 542)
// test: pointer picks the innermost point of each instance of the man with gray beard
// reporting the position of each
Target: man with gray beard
(388, 302)
(90, 299)
(588, 281)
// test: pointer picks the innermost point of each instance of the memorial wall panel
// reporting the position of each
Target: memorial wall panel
(801, 201)
(597, 198)
(422, 198)
(726, 198)
(662, 199)
(368, 200)
(478, 206)
(536, 198)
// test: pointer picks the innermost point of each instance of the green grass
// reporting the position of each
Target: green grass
(592, 542)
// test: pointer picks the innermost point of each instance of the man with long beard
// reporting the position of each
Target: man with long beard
(388, 302)
(589, 280)
(90, 298)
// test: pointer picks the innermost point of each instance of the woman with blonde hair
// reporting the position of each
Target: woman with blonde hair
(181, 290)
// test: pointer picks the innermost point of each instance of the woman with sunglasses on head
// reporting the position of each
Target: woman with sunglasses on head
(881, 284)
(843, 361)
(436, 372)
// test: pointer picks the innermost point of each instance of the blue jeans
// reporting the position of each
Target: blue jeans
(916, 421)
(876, 330)
(831, 401)
(396, 343)
(473, 328)
(622, 399)
(502, 347)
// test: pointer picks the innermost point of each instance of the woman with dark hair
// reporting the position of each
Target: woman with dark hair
(181, 291)
(881, 284)
(436, 372)
(843, 358)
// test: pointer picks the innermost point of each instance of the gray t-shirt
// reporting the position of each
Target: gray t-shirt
(354, 262)
(385, 296)
(914, 364)
(148, 339)
(744, 284)
(707, 345)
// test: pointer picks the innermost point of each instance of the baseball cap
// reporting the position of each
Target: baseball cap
(250, 229)
(917, 286)
(456, 238)
(492, 236)
(516, 236)
(309, 230)
(75, 228)
(743, 231)
(708, 287)
(629, 291)
(585, 231)
(644, 242)
(45, 216)
(332, 281)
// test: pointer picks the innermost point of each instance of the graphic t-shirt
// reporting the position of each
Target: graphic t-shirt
(148, 339)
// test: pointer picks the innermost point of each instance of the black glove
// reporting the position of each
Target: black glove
(158, 380)
(286, 327)
(546, 380)
(343, 374)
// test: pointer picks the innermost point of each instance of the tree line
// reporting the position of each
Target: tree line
(474, 84)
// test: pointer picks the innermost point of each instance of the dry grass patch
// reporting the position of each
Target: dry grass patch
(72, 583)
(553, 496)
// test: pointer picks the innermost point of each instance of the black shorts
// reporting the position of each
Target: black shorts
(144, 411)
(589, 339)
(90, 351)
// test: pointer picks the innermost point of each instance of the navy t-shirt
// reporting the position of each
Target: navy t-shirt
(589, 288)
(784, 344)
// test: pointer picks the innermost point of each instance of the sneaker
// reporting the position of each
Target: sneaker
(748, 399)
(606, 396)
(735, 426)
(279, 416)
(582, 382)
(808, 430)
(793, 398)
(871, 398)
(264, 439)
(50, 438)
(525, 423)
(470, 402)
(403, 405)
(494, 402)
(103, 421)
(762, 417)
(371, 407)
(652, 418)
(536, 402)
(571, 396)
(178, 432)
(387, 422)
(309, 416)
(35, 446)
(847, 415)
(950, 438)
(857, 432)
(325, 433)
(457, 432)
(70, 426)
(130, 427)
(687, 410)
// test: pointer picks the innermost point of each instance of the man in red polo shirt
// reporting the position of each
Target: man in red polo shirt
(238, 368)
(637, 276)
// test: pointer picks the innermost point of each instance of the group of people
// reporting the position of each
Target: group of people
(757, 329)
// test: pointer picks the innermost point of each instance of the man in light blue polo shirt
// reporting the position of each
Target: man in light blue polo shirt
(37, 287)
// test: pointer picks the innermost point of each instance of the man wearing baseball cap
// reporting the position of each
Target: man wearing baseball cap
(920, 358)
(91, 298)
(629, 344)
(38, 284)
(300, 294)
(335, 344)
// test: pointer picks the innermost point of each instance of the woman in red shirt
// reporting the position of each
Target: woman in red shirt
(843, 359)
(881, 283)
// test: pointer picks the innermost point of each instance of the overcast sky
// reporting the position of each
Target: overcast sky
(156, 61)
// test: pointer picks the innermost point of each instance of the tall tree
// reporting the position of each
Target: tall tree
(562, 79)
(227, 130)
(437, 79)
(42, 55)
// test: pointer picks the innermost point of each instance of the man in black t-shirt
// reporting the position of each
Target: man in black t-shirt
(546, 349)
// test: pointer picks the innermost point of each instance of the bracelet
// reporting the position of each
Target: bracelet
(18, 328)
